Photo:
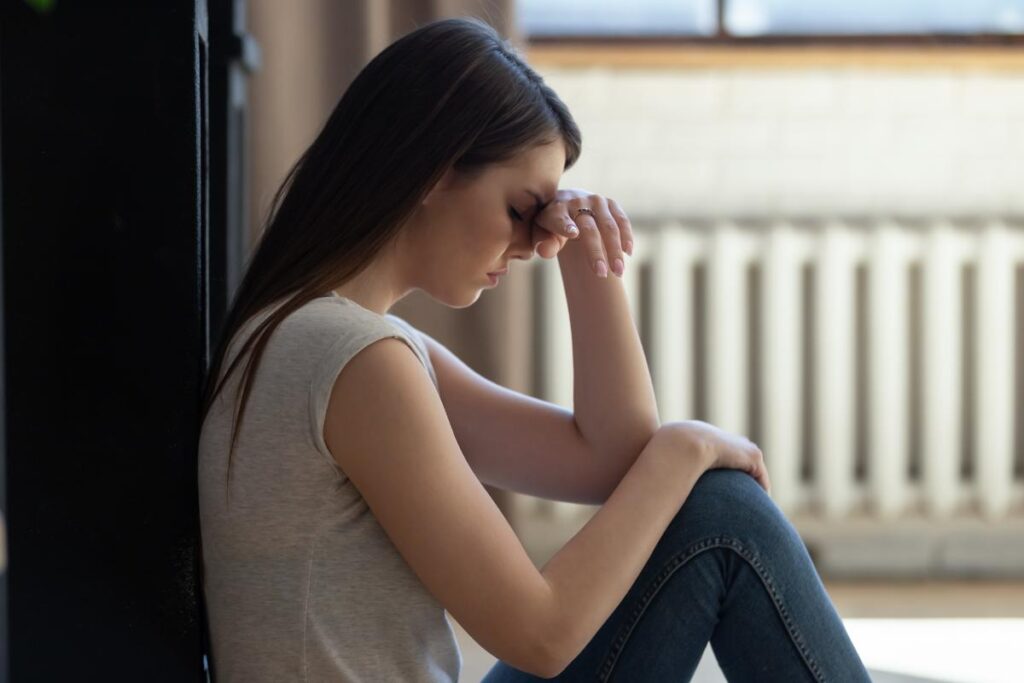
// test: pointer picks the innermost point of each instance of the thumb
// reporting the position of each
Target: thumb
(538, 236)
(555, 219)
(547, 245)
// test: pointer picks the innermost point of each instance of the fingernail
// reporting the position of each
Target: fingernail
(628, 246)
(573, 230)
(602, 269)
(618, 266)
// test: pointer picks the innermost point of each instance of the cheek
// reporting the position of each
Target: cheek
(484, 234)
(475, 235)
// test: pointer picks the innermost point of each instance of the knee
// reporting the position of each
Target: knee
(729, 502)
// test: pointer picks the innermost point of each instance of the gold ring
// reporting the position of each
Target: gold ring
(583, 210)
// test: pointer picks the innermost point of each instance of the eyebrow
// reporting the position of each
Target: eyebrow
(540, 202)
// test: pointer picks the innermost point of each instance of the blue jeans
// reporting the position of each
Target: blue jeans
(732, 570)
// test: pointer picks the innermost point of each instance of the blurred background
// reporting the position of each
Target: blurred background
(830, 261)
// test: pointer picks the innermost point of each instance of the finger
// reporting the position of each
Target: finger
(767, 483)
(625, 227)
(610, 234)
(593, 243)
(555, 219)
(762, 476)
(538, 236)
(549, 248)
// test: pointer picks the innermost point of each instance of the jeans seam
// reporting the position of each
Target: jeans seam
(678, 560)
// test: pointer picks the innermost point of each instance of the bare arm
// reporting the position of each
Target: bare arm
(619, 539)
(396, 445)
(521, 443)
(613, 398)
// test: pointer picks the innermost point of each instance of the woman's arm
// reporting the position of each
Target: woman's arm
(613, 398)
(397, 447)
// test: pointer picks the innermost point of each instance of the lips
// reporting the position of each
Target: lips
(499, 272)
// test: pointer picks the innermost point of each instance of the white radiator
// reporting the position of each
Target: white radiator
(878, 365)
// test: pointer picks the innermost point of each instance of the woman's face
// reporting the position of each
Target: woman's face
(468, 227)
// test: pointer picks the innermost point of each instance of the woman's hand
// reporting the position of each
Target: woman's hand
(723, 450)
(605, 234)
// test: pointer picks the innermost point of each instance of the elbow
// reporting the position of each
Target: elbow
(538, 659)
(554, 649)
(547, 662)
(646, 428)
(533, 648)
(645, 431)
(632, 440)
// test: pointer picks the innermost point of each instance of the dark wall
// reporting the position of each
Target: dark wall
(104, 111)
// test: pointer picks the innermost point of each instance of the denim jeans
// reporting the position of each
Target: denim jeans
(729, 569)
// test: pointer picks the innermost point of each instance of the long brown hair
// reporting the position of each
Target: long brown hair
(450, 94)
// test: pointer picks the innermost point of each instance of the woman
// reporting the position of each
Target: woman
(340, 479)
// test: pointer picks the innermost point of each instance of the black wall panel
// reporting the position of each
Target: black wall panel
(104, 142)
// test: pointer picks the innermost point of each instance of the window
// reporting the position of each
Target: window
(618, 17)
(753, 20)
(873, 17)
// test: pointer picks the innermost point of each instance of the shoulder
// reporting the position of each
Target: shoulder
(360, 349)
(379, 359)
(327, 325)
(330, 330)
(418, 341)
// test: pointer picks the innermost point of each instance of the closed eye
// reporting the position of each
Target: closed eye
(515, 214)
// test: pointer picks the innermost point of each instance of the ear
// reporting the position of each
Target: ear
(440, 186)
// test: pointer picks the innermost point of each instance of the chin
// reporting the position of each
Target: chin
(458, 299)
(471, 298)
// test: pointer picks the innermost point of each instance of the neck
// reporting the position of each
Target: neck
(377, 287)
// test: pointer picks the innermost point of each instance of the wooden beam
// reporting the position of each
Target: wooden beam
(690, 56)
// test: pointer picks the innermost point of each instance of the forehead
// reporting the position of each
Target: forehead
(539, 165)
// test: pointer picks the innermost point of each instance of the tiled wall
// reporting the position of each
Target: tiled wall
(798, 142)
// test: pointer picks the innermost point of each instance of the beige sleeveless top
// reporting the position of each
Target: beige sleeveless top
(301, 582)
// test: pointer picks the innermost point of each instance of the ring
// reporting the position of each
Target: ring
(583, 210)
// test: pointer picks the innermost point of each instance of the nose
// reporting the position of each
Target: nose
(522, 246)
(524, 253)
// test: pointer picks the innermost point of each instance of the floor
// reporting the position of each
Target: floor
(906, 632)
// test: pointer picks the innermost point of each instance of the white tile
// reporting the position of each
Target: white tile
(899, 92)
(747, 136)
(977, 136)
(993, 95)
(800, 135)
(782, 92)
(855, 141)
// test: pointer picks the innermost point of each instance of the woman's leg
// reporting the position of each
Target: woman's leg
(732, 570)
